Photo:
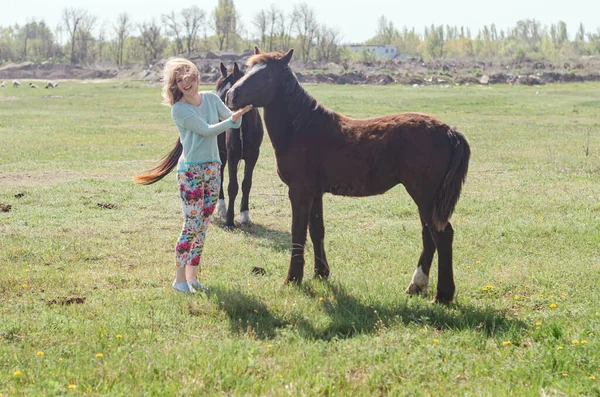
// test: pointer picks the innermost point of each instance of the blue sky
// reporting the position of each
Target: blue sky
(356, 20)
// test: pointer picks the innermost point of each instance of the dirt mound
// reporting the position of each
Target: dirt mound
(53, 71)
(406, 71)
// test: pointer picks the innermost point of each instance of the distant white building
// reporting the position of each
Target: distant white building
(380, 51)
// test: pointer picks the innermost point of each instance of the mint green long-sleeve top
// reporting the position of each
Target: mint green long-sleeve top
(198, 127)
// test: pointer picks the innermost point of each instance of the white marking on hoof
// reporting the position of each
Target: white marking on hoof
(419, 282)
(245, 218)
(222, 208)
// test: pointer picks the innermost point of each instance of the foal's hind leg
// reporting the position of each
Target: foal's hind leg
(232, 188)
(420, 278)
(443, 241)
(317, 235)
(246, 186)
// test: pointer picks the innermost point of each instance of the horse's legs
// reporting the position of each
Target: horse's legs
(443, 241)
(317, 235)
(249, 164)
(301, 203)
(221, 207)
(420, 278)
(232, 188)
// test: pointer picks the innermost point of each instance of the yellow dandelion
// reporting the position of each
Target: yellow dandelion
(538, 323)
(468, 267)
(321, 299)
(269, 346)
(553, 306)
(541, 218)
(119, 336)
(583, 342)
(592, 377)
(273, 307)
(516, 297)
(565, 374)
(575, 342)
(24, 285)
(60, 359)
(478, 262)
(500, 281)
(506, 343)
(18, 373)
(424, 330)
(436, 341)
(591, 334)
(72, 386)
(40, 353)
(559, 348)
(99, 355)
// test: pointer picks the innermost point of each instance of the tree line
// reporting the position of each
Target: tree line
(527, 38)
(80, 39)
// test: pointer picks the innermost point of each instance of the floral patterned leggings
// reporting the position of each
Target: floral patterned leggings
(199, 191)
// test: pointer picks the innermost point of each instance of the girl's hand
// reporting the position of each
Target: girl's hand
(239, 113)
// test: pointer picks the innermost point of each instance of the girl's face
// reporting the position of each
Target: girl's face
(188, 85)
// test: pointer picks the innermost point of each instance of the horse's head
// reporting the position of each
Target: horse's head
(259, 84)
(227, 80)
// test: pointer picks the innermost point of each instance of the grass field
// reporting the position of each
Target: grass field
(86, 258)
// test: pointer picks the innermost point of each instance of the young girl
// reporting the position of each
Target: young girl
(199, 118)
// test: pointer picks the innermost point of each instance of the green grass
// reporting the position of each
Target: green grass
(77, 280)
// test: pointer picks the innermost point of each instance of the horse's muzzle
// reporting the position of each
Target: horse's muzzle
(230, 97)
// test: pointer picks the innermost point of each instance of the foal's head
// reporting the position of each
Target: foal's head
(227, 80)
(259, 85)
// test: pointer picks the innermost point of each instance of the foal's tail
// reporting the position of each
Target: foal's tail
(163, 168)
(449, 192)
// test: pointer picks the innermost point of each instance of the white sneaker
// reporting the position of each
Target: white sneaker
(182, 287)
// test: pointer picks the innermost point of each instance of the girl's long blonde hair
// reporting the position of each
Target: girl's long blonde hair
(175, 68)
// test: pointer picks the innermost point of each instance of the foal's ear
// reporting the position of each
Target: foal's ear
(257, 51)
(236, 70)
(223, 70)
(288, 57)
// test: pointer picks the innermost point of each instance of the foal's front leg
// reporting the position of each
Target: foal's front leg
(301, 203)
(317, 235)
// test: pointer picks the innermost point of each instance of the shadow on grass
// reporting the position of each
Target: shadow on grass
(266, 237)
(350, 317)
(246, 313)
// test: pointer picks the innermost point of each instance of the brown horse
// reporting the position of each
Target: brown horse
(320, 151)
(235, 145)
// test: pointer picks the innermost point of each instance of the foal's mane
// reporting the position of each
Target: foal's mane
(302, 107)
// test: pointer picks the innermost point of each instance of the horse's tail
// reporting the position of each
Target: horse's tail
(449, 192)
(163, 168)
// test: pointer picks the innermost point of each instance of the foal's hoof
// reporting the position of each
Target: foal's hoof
(245, 218)
(415, 289)
(293, 280)
(222, 208)
(443, 298)
(321, 275)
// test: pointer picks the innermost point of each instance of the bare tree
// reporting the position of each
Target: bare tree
(276, 21)
(122, 31)
(101, 41)
(260, 23)
(193, 18)
(73, 19)
(151, 39)
(328, 44)
(173, 30)
(306, 27)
